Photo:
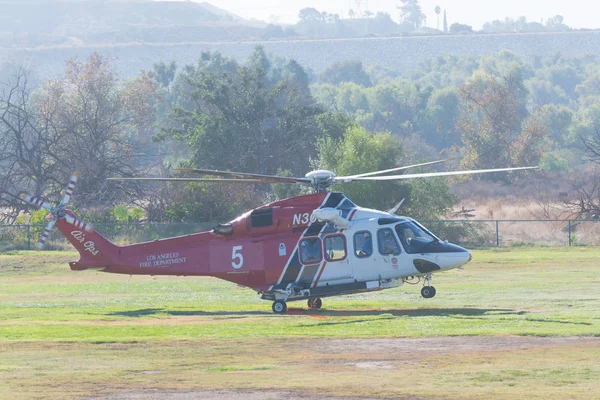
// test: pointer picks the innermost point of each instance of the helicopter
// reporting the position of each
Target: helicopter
(306, 247)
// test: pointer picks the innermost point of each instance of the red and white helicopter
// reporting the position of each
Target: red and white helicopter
(302, 248)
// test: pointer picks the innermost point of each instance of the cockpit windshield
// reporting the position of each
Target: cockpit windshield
(413, 237)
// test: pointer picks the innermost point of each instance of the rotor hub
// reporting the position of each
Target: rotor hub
(321, 179)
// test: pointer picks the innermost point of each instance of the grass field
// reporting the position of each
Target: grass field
(69, 334)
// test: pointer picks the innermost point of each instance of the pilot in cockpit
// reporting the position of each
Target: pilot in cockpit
(389, 244)
(364, 244)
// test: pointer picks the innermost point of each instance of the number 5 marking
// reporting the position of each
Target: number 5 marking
(235, 255)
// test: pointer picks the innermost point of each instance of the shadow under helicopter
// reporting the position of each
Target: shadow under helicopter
(461, 313)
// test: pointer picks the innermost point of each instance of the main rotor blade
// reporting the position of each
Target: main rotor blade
(430, 174)
(396, 169)
(218, 180)
(244, 175)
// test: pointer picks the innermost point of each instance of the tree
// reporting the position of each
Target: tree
(443, 110)
(347, 71)
(457, 28)
(437, 13)
(164, 73)
(84, 121)
(411, 14)
(252, 117)
(565, 76)
(543, 92)
(360, 151)
(589, 90)
(495, 133)
(558, 120)
(141, 101)
(97, 125)
(315, 23)
(310, 15)
(393, 107)
(26, 148)
(272, 31)
(445, 23)
(556, 23)
(586, 204)
(585, 126)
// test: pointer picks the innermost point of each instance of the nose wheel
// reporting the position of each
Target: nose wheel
(428, 291)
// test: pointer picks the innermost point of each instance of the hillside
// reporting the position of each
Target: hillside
(32, 23)
(399, 53)
(42, 34)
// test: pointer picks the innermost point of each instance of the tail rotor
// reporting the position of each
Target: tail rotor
(58, 212)
(69, 190)
(39, 202)
(45, 235)
(77, 223)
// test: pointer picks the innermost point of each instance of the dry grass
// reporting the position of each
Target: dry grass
(311, 367)
(540, 197)
(535, 230)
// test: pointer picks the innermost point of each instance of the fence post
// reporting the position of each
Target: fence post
(28, 237)
(570, 233)
(497, 234)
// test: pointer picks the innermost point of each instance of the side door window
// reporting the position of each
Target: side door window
(310, 251)
(363, 244)
(387, 242)
(335, 247)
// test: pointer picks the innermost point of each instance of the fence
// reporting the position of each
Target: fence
(468, 233)
(508, 233)
(26, 236)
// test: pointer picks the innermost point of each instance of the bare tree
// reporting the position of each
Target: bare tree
(97, 126)
(586, 202)
(592, 145)
(25, 149)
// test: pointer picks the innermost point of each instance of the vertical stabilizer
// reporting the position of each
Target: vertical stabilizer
(94, 249)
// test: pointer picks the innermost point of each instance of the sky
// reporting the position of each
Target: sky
(577, 13)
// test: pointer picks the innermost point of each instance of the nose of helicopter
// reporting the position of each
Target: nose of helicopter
(455, 256)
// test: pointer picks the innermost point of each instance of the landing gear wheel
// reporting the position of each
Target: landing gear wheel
(279, 307)
(315, 303)
(428, 292)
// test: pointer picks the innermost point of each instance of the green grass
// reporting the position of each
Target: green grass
(541, 292)
(68, 334)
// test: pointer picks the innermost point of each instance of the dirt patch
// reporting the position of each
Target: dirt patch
(444, 345)
(368, 357)
(375, 365)
(225, 395)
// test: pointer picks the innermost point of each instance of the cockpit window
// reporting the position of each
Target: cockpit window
(413, 237)
(387, 242)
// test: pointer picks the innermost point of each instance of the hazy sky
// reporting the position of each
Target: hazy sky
(577, 13)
